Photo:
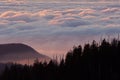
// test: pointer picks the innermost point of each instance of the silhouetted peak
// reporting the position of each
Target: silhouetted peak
(15, 47)
(18, 51)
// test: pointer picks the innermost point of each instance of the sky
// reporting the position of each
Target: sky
(53, 28)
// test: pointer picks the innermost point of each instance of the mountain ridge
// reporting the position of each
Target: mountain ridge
(17, 52)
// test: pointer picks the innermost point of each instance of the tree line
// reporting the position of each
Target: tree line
(92, 62)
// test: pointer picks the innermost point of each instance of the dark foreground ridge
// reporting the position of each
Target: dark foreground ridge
(93, 62)
(17, 52)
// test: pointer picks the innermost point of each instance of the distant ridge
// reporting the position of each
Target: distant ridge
(19, 53)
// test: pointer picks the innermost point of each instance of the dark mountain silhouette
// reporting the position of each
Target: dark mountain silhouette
(21, 53)
(95, 61)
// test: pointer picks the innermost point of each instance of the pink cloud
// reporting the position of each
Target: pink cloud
(110, 10)
(8, 14)
(87, 12)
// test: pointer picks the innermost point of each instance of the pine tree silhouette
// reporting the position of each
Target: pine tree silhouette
(93, 62)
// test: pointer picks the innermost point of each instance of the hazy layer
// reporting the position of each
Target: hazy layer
(54, 28)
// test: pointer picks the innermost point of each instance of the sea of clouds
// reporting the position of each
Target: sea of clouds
(54, 28)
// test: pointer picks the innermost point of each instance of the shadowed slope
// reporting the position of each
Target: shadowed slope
(17, 52)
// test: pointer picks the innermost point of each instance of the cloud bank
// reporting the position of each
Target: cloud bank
(57, 27)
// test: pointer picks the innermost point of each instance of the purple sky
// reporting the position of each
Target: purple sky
(54, 28)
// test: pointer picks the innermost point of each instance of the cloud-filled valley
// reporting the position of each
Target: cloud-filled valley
(54, 28)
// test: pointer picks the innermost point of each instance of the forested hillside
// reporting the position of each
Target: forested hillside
(92, 62)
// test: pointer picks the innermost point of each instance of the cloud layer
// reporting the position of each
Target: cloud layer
(53, 28)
